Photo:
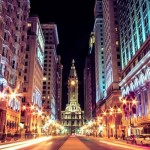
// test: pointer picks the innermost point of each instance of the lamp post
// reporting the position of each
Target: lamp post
(112, 111)
(115, 110)
(95, 124)
(130, 103)
(100, 125)
(107, 124)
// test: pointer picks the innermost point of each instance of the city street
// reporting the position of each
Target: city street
(73, 143)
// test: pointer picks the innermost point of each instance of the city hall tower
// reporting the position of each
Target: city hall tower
(73, 116)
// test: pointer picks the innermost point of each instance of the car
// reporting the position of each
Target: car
(135, 139)
(138, 139)
(145, 140)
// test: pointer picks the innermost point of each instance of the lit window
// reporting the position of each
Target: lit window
(117, 43)
(29, 24)
(44, 78)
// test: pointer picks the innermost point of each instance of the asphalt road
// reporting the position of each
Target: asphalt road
(104, 144)
(44, 143)
(54, 143)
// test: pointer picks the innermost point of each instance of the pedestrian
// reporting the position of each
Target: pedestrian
(123, 135)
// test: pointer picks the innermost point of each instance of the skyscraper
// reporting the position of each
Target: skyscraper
(89, 81)
(33, 76)
(50, 69)
(99, 51)
(135, 53)
(112, 66)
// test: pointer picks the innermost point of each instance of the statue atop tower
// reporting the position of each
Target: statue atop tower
(73, 73)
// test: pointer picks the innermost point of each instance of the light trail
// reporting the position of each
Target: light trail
(125, 146)
(23, 144)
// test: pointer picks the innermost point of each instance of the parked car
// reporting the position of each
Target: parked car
(145, 140)
(138, 139)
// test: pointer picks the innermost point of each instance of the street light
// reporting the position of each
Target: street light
(106, 121)
(129, 106)
(115, 110)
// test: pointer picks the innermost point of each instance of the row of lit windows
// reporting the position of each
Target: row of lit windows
(130, 28)
(139, 34)
(134, 62)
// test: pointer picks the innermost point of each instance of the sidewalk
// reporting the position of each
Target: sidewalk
(73, 143)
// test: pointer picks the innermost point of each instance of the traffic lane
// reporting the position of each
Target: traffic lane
(96, 144)
(93, 144)
(53, 144)
(123, 144)
(23, 143)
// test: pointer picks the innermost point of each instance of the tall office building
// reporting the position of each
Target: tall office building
(33, 77)
(59, 89)
(135, 53)
(99, 51)
(112, 66)
(89, 81)
(50, 69)
(73, 116)
(13, 37)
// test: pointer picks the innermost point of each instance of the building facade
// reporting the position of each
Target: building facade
(59, 89)
(50, 69)
(99, 51)
(73, 116)
(33, 77)
(13, 37)
(112, 67)
(135, 53)
(89, 81)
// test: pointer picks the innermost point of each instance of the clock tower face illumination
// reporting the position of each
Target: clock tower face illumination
(72, 82)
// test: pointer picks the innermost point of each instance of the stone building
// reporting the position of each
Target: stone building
(13, 37)
(49, 96)
(73, 116)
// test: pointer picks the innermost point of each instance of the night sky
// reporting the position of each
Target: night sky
(75, 21)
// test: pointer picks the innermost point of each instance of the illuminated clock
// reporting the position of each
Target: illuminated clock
(72, 82)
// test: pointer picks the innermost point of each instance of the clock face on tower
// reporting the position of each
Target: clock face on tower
(72, 82)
